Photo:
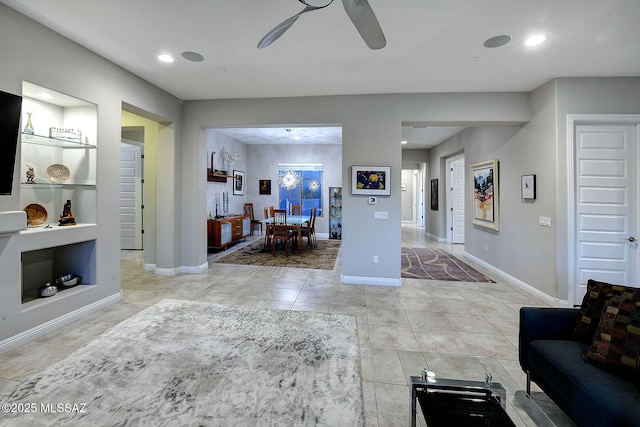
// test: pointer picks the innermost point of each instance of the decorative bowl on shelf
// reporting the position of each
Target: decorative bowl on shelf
(58, 172)
(48, 290)
(36, 214)
(68, 280)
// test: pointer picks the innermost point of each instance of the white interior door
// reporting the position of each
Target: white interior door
(606, 220)
(419, 177)
(455, 199)
(131, 196)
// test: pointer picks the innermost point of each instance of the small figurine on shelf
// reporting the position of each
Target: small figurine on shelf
(67, 217)
(31, 175)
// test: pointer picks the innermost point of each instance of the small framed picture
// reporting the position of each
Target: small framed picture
(373, 180)
(528, 190)
(434, 194)
(265, 186)
(238, 183)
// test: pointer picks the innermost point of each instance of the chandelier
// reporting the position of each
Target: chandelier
(289, 179)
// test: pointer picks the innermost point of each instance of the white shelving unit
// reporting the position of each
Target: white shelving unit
(50, 250)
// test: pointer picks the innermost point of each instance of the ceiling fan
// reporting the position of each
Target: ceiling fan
(359, 11)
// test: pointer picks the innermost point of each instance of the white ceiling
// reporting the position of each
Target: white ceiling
(432, 45)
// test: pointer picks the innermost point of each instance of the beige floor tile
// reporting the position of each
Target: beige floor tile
(387, 317)
(440, 325)
(386, 367)
(392, 338)
(441, 342)
(492, 345)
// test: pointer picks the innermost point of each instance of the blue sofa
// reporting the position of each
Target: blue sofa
(552, 358)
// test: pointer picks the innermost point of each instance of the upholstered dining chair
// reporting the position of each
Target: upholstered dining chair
(248, 210)
(296, 209)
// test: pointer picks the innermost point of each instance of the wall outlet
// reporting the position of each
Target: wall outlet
(544, 221)
(486, 248)
(375, 259)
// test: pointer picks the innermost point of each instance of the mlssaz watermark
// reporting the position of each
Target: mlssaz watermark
(45, 408)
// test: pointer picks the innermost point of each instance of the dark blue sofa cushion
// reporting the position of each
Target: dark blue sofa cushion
(588, 394)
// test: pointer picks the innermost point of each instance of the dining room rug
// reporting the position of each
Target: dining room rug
(438, 264)
(185, 363)
(322, 257)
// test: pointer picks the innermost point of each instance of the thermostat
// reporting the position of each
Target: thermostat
(373, 200)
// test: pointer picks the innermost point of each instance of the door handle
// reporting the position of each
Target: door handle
(631, 239)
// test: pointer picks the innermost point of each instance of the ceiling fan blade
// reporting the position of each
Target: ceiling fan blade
(366, 23)
(282, 27)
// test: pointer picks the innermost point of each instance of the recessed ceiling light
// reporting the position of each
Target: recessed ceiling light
(497, 41)
(44, 95)
(404, 142)
(165, 58)
(535, 40)
(192, 56)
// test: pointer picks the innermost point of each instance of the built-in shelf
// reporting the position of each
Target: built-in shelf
(218, 177)
(37, 303)
(45, 140)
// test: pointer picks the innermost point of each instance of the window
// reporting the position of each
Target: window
(308, 192)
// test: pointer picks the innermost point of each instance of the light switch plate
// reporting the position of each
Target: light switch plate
(380, 215)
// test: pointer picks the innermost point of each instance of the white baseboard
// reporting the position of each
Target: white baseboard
(555, 302)
(50, 326)
(436, 238)
(149, 267)
(195, 270)
(375, 281)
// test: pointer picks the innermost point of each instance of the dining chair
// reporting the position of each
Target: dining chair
(281, 233)
(270, 211)
(296, 209)
(279, 216)
(268, 228)
(248, 210)
(309, 231)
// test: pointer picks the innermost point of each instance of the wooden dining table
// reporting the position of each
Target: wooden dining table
(294, 222)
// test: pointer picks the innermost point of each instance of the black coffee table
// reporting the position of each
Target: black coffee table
(448, 402)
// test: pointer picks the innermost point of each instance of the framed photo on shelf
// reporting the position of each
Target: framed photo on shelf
(434, 194)
(375, 180)
(485, 195)
(528, 187)
(264, 186)
(238, 183)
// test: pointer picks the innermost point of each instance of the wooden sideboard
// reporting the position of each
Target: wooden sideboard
(224, 231)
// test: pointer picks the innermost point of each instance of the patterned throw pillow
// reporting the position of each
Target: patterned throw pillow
(616, 344)
(591, 308)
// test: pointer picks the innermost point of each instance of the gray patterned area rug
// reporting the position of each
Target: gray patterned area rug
(437, 264)
(185, 363)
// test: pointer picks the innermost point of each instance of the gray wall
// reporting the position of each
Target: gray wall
(371, 136)
(34, 53)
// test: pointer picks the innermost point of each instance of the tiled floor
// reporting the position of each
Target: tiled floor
(456, 329)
